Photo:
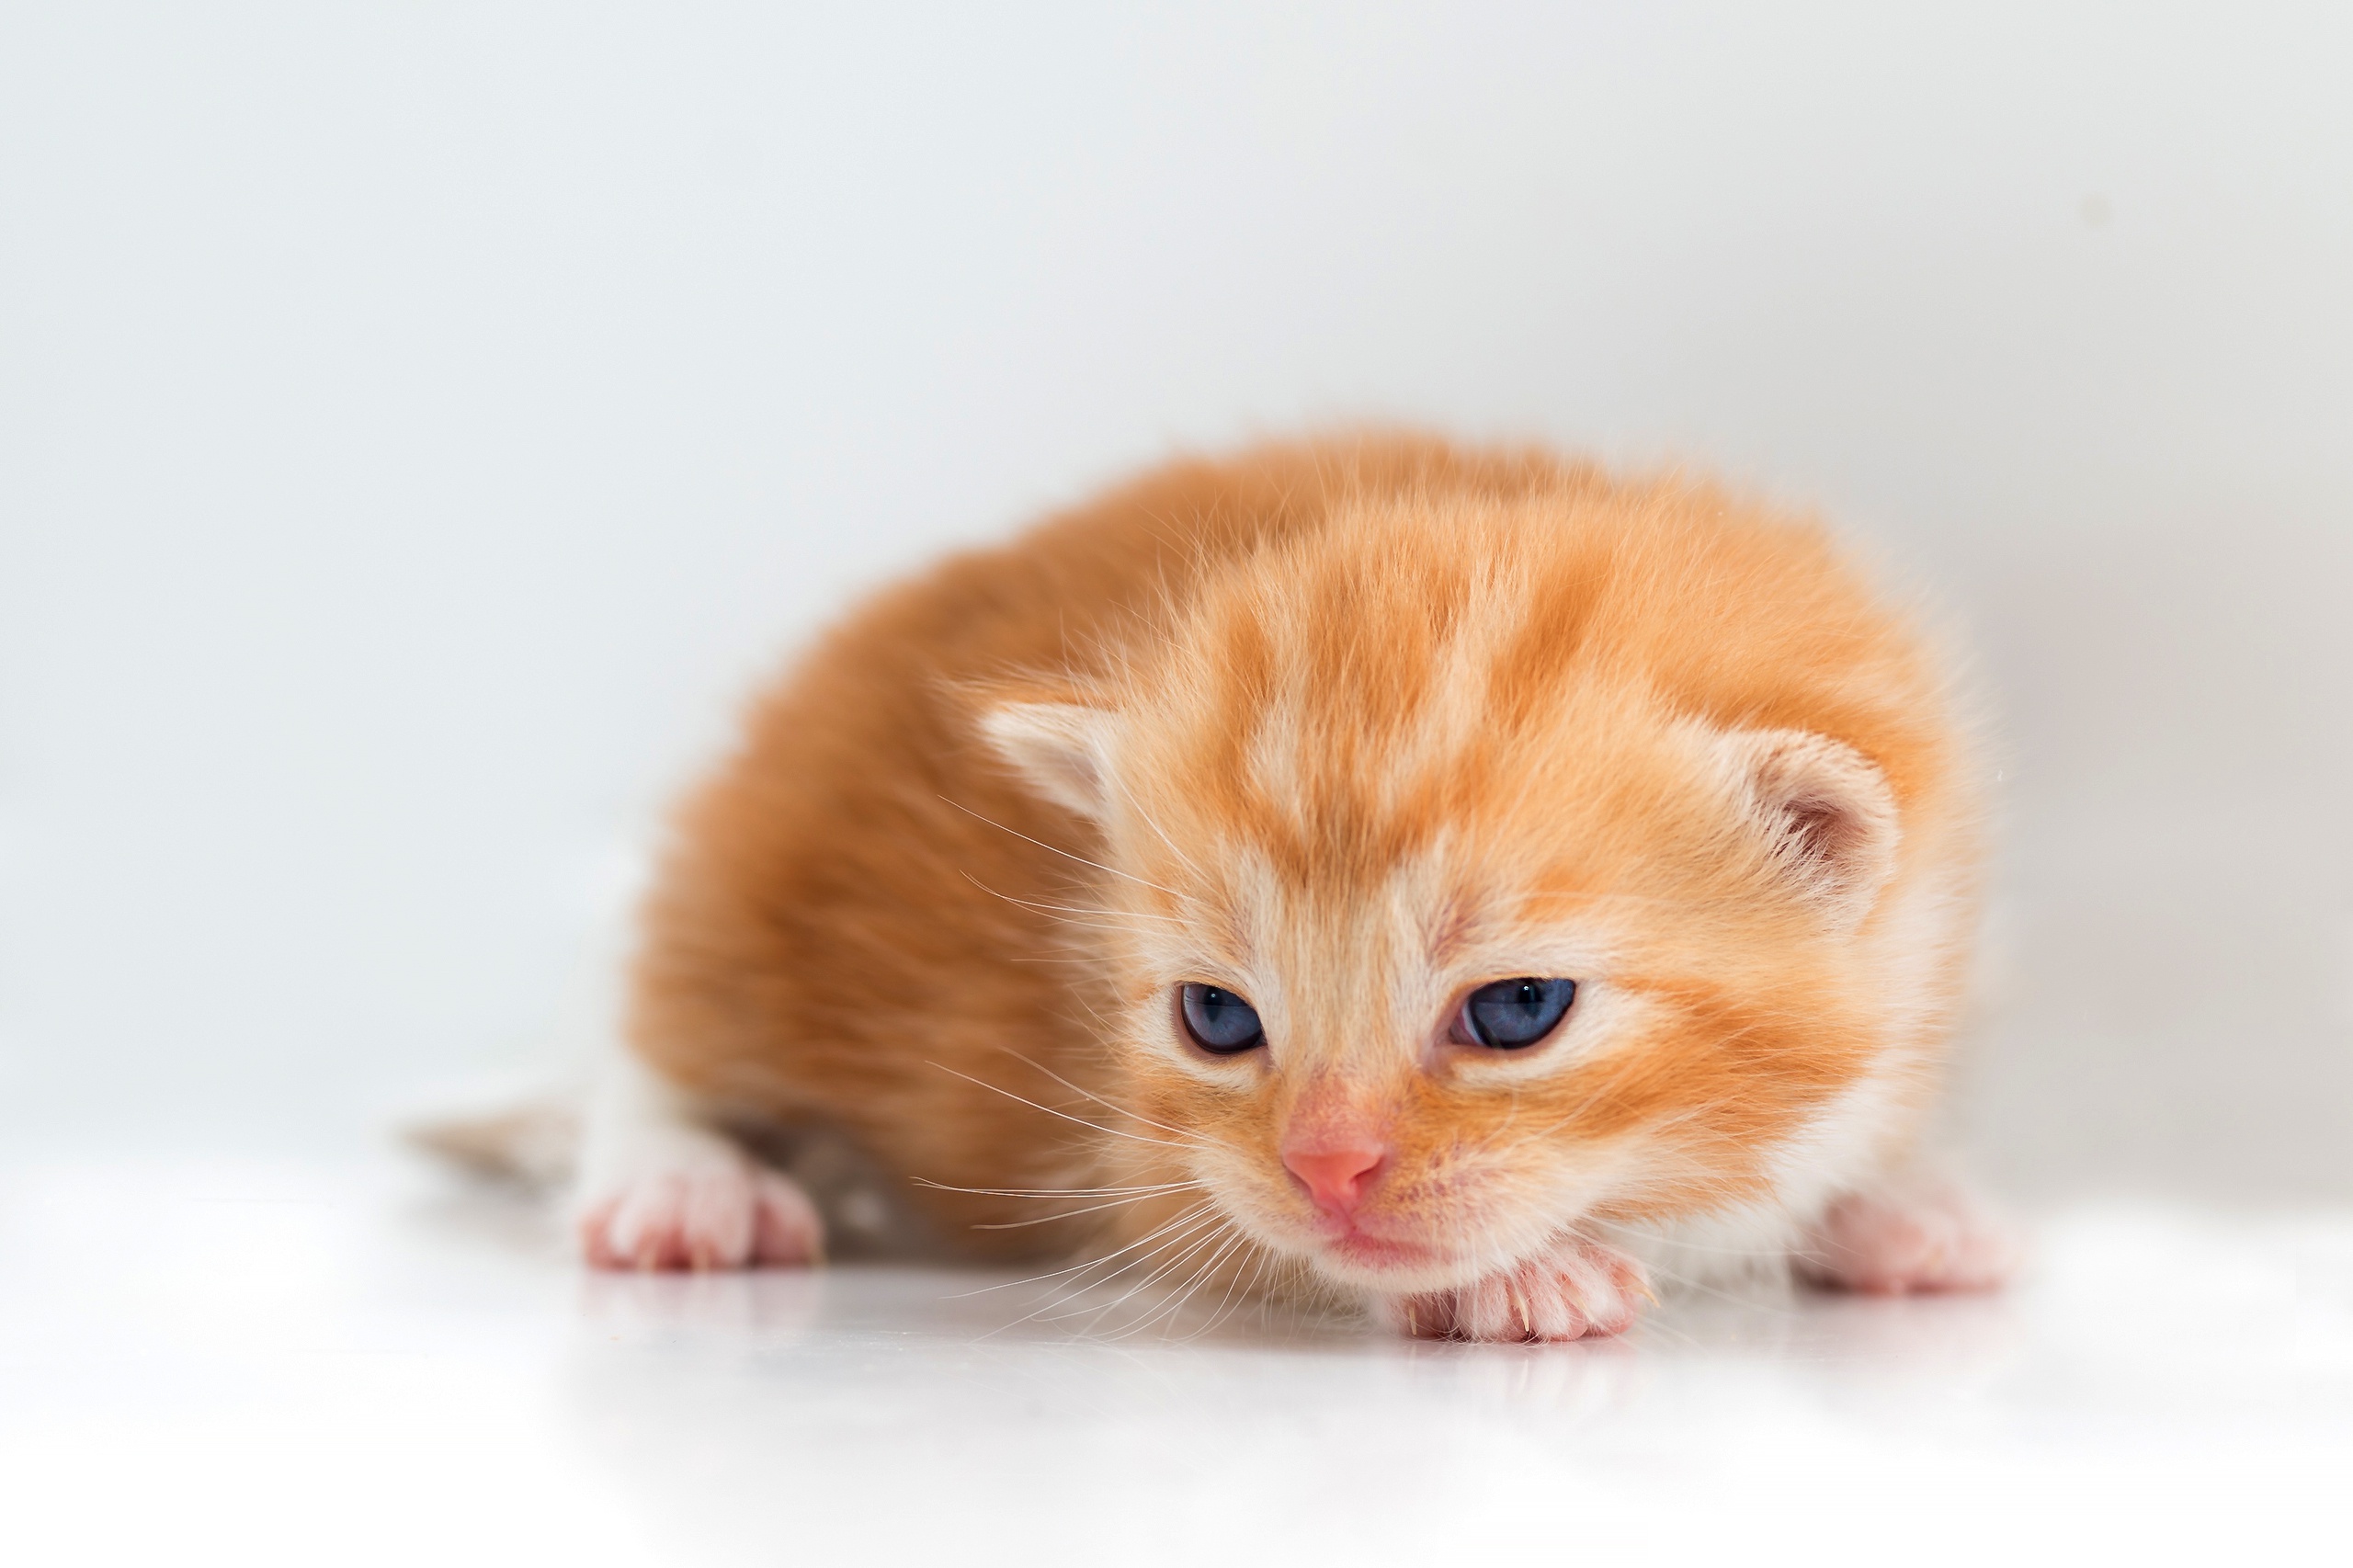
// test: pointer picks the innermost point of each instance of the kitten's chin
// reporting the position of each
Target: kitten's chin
(1389, 1267)
(1376, 1254)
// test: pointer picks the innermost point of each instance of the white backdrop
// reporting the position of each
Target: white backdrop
(420, 424)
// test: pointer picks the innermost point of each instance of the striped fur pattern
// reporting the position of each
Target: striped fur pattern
(1348, 728)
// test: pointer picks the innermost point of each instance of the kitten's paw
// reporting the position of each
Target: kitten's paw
(1894, 1243)
(710, 1212)
(1577, 1289)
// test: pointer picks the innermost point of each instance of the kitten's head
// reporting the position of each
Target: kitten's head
(1481, 868)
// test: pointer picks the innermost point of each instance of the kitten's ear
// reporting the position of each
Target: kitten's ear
(1062, 748)
(1827, 811)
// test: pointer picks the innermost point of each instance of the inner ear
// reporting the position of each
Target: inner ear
(1825, 812)
(1063, 749)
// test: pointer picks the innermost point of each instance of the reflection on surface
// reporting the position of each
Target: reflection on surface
(927, 1401)
(735, 1405)
(264, 1353)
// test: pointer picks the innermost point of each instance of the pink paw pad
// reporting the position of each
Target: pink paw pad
(721, 1215)
(1577, 1290)
(1893, 1245)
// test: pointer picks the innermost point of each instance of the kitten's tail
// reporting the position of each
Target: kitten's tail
(532, 1142)
(528, 1129)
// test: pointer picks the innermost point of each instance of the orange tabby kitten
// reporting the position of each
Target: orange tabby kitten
(1455, 879)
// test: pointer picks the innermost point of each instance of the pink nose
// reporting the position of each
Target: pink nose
(1336, 1179)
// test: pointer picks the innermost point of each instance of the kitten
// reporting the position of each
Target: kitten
(1454, 880)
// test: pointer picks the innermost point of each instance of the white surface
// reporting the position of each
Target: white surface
(260, 1364)
(420, 422)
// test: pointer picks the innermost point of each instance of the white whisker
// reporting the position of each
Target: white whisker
(1200, 1276)
(1203, 1216)
(1050, 1191)
(1203, 1235)
(1081, 1267)
(1033, 1105)
(1065, 853)
(1192, 1233)
(1195, 1138)
(1065, 1215)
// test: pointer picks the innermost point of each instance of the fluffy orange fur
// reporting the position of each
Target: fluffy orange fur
(1348, 728)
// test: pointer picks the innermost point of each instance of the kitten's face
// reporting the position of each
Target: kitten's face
(1433, 939)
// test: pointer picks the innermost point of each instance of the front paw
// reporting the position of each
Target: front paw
(711, 1213)
(1575, 1289)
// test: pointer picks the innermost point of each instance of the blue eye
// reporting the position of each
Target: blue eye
(1219, 1021)
(1513, 1013)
